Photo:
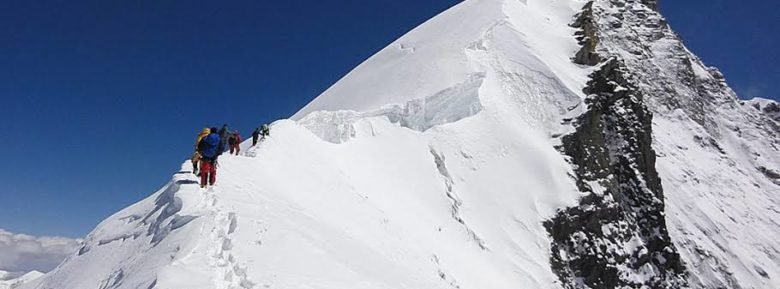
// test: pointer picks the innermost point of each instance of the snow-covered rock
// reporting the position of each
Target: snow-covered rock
(767, 106)
(717, 159)
(474, 152)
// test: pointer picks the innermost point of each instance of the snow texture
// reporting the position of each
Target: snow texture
(12, 280)
(436, 164)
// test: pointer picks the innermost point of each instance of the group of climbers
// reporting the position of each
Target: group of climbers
(211, 143)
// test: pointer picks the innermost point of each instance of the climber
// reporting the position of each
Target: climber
(235, 142)
(210, 147)
(224, 133)
(196, 156)
(265, 130)
(255, 136)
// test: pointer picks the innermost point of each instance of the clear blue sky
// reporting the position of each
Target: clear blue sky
(102, 99)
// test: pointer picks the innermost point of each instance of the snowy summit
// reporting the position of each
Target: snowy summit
(501, 144)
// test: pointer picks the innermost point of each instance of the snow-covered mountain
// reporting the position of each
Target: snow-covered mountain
(9, 280)
(501, 144)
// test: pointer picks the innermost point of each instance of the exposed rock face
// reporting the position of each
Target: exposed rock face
(652, 4)
(719, 159)
(617, 237)
(773, 110)
(769, 108)
(618, 232)
(668, 74)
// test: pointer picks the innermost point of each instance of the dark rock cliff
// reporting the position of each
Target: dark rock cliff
(586, 36)
(617, 236)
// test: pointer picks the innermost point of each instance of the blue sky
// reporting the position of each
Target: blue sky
(740, 38)
(103, 99)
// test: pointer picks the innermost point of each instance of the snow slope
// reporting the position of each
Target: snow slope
(393, 208)
(525, 44)
(766, 106)
(434, 165)
(16, 282)
(435, 170)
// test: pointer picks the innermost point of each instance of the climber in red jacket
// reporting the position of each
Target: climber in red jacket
(235, 142)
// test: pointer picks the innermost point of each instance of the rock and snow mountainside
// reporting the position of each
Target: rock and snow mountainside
(718, 159)
(767, 106)
(501, 144)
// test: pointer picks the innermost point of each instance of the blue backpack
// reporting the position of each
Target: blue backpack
(209, 147)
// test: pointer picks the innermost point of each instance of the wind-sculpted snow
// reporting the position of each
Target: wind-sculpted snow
(496, 38)
(436, 173)
(435, 164)
(131, 248)
(427, 60)
(13, 282)
(449, 105)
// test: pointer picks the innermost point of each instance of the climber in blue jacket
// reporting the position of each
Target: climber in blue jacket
(210, 147)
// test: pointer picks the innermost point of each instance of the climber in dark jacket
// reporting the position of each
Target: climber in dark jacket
(224, 133)
(210, 147)
(265, 130)
(255, 136)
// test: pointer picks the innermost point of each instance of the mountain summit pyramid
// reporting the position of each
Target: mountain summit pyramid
(501, 144)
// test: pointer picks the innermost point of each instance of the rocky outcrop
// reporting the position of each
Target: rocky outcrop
(617, 236)
(692, 100)
(652, 4)
(586, 36)
(773, 111)
(767, 107)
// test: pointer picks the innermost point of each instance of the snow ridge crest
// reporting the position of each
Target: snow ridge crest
(446, 106)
